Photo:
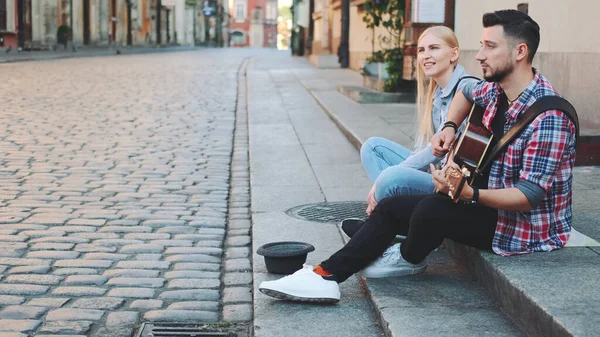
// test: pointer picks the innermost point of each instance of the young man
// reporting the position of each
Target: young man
(522, 205)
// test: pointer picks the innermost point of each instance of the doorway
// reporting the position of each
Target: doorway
(86, 22)
(113, 10)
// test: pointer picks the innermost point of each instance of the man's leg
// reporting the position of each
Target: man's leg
(425, 220)
(318, 285)
(390, 218)
(437, 218)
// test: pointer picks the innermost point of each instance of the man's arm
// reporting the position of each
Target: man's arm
(510, 199)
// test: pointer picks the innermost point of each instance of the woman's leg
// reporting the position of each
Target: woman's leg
(378, 153)
(399, 180)
(394, 181)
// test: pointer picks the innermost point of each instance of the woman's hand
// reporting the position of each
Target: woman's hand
(442, 141)
(371, 202)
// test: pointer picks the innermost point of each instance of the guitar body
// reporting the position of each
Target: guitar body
(468, 152)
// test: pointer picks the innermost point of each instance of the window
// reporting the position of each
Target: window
(271, 11)
(428, 11)
(3, 15)
(240, 10)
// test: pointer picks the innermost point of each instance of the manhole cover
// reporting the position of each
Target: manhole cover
(330, 212)
(191, 330)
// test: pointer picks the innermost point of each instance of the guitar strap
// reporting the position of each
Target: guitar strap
(458, 82)
(541, 105)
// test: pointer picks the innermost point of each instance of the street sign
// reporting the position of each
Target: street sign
(208, 11)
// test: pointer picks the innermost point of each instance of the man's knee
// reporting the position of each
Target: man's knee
(431, 208)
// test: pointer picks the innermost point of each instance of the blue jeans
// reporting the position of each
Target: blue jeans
(381, 159)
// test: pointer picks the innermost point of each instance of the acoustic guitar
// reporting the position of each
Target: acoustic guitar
(468, 151)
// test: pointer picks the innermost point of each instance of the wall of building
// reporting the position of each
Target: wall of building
(257, 30)
(44, 21)
(77, 22)
(567, 55)
(48, 15)
(336, 27)
(241, 24)
(361, 39)
(10, 36)
(270, 38)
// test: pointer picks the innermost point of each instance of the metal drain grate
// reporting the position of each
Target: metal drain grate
(329, 212)
(182, 330)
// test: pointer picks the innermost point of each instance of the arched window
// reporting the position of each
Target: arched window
(237, 38)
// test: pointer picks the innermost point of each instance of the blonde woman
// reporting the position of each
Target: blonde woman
(394, 169)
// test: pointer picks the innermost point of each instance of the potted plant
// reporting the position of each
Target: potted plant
(374, 65)
(385, 66)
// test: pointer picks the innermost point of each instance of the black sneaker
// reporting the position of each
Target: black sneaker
(351, 225)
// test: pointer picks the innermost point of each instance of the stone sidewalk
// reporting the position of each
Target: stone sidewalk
(298, 156)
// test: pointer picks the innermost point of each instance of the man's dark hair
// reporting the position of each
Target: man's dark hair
(518, 26)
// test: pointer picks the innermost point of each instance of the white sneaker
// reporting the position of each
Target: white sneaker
(391, 264)
(303, 286)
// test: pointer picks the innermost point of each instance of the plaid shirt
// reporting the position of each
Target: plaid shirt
(543, 154)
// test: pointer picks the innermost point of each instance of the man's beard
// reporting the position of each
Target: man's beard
(501, 73)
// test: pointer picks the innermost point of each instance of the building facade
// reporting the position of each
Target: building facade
(253, 23)
(98, 22)
(567, 54)
(8, 25)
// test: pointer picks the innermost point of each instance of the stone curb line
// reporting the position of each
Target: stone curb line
(237, 298)
(104, 52)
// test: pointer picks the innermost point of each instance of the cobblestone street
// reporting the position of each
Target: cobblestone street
(114, 182)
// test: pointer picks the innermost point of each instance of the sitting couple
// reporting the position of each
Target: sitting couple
(522, 204)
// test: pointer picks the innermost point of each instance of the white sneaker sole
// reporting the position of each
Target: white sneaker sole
(393, 272)
(284, 296)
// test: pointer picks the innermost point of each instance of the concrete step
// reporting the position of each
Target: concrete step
(545, 294)
(324, 61)
(443, 301)
(369, 96)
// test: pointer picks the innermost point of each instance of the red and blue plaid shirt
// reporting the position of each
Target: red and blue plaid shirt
(543, 154)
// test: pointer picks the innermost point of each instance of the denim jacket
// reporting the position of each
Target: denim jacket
(422, 157)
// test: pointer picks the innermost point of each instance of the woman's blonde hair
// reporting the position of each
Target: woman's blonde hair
(426, 87)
